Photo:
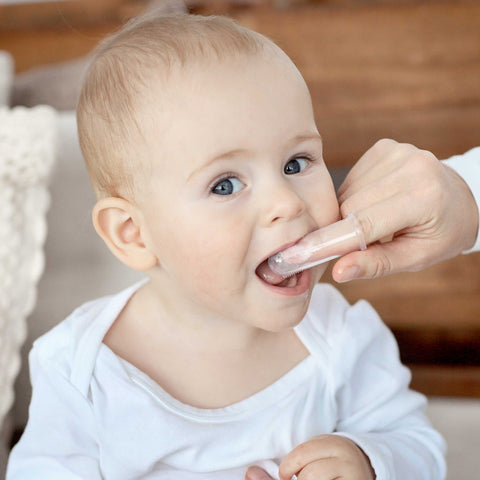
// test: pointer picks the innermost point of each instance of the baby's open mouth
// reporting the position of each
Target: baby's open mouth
(269, 276)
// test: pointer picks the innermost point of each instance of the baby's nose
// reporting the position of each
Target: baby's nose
(283, 203)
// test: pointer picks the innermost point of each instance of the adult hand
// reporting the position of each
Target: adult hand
(406, 195)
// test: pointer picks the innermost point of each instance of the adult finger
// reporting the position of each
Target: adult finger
(382, 219)
(380, 260)
(406, 167)
(381, 157)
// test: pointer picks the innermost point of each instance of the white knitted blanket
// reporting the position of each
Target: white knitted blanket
(27, 153)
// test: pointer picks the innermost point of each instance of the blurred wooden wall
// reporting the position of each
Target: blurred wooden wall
(405, 71)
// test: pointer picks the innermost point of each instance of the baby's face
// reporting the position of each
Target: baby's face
(237, 175)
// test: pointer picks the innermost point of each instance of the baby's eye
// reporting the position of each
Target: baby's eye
(296, 165)
(227, 186)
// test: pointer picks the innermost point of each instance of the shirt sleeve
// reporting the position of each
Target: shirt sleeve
(59, 440)
(377, 410)
(468, 167)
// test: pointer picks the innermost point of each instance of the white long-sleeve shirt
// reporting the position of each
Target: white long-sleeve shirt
(468, 167)
(95, 416)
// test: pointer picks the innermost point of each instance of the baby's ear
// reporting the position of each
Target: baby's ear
(118, 222)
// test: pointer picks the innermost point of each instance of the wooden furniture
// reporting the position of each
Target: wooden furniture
(405, 70)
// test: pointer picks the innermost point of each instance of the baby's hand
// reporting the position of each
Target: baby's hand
(327, 457)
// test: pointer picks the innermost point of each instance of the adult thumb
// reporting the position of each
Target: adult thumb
(257, 473)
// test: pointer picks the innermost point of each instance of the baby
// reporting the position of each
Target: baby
(200, 140)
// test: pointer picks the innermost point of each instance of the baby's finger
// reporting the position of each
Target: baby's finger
(324, 446)
(323, 469)
(257, 473)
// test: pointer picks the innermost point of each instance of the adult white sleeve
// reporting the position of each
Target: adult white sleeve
(59, 440)
(377, 410)
(468, 167)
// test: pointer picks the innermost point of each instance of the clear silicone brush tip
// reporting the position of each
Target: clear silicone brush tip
(286, 269)
(281, 267)
(320, 246)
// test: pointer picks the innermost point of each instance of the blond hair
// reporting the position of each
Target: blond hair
(118, 80)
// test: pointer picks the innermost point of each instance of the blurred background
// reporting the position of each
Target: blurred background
(404, 69)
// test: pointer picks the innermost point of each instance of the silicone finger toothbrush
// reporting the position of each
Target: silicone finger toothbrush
(320, 246)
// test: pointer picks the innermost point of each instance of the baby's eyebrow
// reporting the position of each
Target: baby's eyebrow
(222, 156)
(238, 152)
(303, 138)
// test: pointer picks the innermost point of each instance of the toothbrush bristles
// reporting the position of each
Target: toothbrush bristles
(280, 267)
(291, 273)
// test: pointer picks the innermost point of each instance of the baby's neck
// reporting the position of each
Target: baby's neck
(202, 332)
(199, 367)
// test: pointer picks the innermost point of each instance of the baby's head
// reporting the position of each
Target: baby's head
(129, 83)
(200, 140)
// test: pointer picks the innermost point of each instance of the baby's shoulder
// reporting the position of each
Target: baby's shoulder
(74, 343)
(330, 313)
(61, 346)
(337, 334)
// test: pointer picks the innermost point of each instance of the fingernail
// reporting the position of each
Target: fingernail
(350, 273)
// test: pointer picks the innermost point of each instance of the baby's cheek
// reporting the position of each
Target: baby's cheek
(221, 269)
(210, 258)
(327, 211)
